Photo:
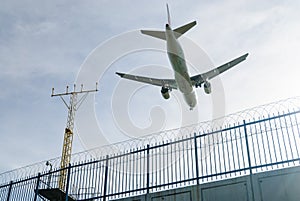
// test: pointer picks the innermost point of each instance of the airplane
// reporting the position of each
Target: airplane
(183, 81)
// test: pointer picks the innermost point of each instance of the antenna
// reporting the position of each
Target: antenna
(73, 106)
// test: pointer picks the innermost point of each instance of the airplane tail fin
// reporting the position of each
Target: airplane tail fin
(180, 30)
(168, 13)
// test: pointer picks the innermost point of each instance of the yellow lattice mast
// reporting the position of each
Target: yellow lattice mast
(73, 106)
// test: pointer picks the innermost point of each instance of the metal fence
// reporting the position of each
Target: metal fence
(201, 155)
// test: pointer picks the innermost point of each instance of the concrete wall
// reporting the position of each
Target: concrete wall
(278, 185)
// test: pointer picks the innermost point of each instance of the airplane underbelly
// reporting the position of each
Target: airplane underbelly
(190, 99)
(184, 85)
(187, 90)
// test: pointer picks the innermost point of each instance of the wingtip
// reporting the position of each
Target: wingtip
(120, 74)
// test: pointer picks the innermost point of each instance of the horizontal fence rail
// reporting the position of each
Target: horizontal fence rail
(200, 155)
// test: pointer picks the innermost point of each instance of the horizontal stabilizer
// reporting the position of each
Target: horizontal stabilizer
(177, 32)
(181, 30)
(156, 34)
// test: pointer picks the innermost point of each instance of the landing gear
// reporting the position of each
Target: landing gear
(197, 85)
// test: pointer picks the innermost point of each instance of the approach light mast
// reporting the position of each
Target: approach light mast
(73, 106)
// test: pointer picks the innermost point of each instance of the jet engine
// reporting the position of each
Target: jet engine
(165, 93)
(207, 87)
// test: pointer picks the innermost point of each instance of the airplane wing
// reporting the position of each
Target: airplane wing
(197, 80)
(168, 83)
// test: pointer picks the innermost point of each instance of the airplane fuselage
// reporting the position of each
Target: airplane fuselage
(177, 60)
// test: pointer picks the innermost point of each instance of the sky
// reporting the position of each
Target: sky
(45, 44)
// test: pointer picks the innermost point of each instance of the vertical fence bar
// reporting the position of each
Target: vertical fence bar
(148, 168)
(129, 170)
(111, 175)
(105, 178)
(263, 143)
(297, 128)
(191, 159)
(164, 170)
(223, 153)
(144, 170)
(278, 141)
(68, 182)
(90, 184)
(152, 167)
(219, 154)
(126, 171)
(118, 169)
(237, 148)
(201, 158)
(242, 150)
(179, 162)
(232, 151)
(247, 147)
(140, 155)
(227, 150)
(210, 154)
(283, 139)
(253, 145)
(181, 166)
(272, 137)
(196, 159)
(171, 164)
(292, 128)
(135, 173)
(167, 164)
(268, 142)
(214, 144)
(160, 166)
(258, 146)
(291, 149)
(188, 161)
(123, 171)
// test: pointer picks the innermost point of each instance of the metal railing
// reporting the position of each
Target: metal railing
(235, 149)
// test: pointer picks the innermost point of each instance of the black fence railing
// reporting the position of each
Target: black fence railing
(241, 148)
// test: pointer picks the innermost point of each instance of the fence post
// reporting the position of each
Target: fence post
(148, 168)
(249, 159)
(196, 159)
(9, 190)
(106, 178)
(37, 187)
(68, 182)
